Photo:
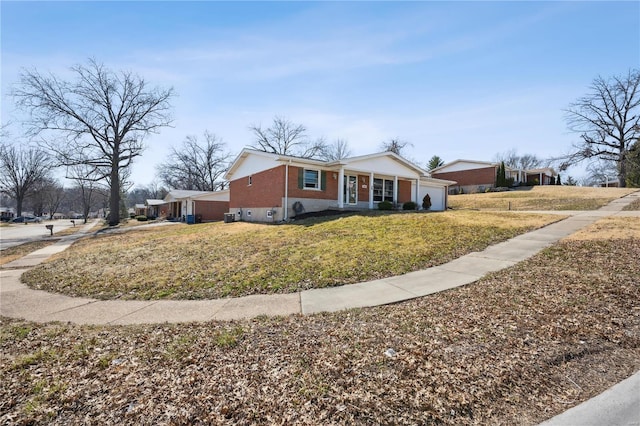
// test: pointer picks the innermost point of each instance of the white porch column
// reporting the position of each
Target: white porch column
(417, 194)
(341, 188)
(371, 191)
(395, 190)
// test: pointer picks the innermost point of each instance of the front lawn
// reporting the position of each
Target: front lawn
(516, 347)
(235, 259)
(540, 198)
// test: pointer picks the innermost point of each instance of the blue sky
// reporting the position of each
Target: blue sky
(455, 79)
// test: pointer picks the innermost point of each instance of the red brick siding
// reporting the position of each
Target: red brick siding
(485, 176)
(363, 193)
(211, 210)
(329, 193)
(404, 191)
(266, 189)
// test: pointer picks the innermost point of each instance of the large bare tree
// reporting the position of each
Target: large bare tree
(337, 150)
(395, 145)
(21, 170)
(196, 165)
(608, 121)
(287, 138)
(514, 160)
(99, 119)
(87, 187)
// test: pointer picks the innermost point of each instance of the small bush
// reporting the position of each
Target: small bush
(141, 218)
(409, 205)
(426, 202)
(385, 205)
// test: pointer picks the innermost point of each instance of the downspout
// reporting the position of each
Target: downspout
(370, 190)
(285, 215)
(341, 188)
(395, 190)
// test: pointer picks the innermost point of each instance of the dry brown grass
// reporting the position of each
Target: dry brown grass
(610, 227)
(541, 198)
(221, 260)
(16, 252)
(516, 347)
(633, 206)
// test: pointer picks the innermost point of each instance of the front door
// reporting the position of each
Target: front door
(351, 190)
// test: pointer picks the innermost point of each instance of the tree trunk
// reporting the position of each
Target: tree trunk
(19, 200)
(114, 201)
(622, 169)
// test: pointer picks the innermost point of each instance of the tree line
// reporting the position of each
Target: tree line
(93, 125)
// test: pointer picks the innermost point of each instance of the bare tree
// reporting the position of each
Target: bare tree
(20, 171)
(47, 196)
(87, 185)
(287, 138)
(196, 165)
(512, 159)
(434, 162)
(608, 121)
(633, 171)
(395, 145)
(103, 117)
(600, 172)
(337, 150)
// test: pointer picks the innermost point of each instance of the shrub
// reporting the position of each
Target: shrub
(385, 205)
(409, 205)
(141, 218)
(426, 202)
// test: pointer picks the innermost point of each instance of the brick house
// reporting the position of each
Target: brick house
(195, 206)
(476, 176)
(272, 187)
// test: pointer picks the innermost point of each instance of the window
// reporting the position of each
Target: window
(311, 179)
(250, 180)
(382, 190)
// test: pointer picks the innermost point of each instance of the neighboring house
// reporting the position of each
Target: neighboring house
(153, 207)
(611, 183)
(7, 213)
(139, 210)
(542, 176)
(195, 206)
(272, 187)
(477, 176)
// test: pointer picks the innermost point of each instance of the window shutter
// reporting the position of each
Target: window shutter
(300, 178)
(323, 180)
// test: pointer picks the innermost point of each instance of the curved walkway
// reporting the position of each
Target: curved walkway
(19, 301)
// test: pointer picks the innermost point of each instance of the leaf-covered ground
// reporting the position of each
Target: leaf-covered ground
(540, 198)
(517, 347)
(235, 259)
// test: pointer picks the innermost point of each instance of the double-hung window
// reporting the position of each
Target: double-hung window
(311, 179)
(382, 190)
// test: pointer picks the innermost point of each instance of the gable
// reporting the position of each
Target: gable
(383, 165)
(249, 163)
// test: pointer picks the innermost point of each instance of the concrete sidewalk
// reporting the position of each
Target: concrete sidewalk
(19, 301)
(617, 406)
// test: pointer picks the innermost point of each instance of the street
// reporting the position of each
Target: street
(19, 233)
